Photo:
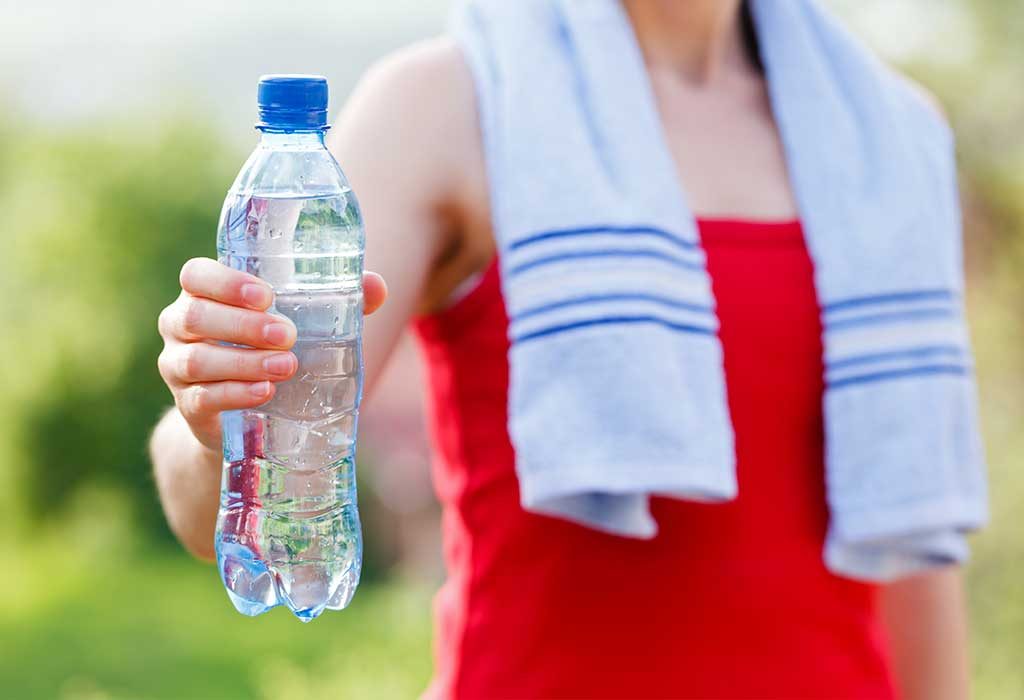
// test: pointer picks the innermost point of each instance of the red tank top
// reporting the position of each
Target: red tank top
(729, 600)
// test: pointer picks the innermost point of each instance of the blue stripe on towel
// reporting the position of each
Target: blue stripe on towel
(892, 298)
(609, 320)
(897, 374)
(890, 317)
(907, 353)
(653, 254)
(588, 230)
(598, 298)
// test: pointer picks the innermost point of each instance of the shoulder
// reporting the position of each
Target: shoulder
(432, 68)
(418, 108)
(409, 141)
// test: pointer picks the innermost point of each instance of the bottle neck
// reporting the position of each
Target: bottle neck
(293, 140)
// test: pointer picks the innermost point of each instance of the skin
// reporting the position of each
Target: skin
(423, 189)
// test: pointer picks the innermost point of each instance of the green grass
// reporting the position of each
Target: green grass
(163, 628)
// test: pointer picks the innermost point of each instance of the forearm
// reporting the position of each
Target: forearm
(188, 480)
(926, 620)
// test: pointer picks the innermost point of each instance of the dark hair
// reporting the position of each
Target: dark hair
(750, 37)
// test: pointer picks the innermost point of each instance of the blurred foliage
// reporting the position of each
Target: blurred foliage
(160, 627)
(98, 220)
(983, 99)
(99, 224)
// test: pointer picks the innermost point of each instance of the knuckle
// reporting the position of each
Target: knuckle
(163, 321)
(249, 327)
(190, 362)
(242, 363)
(201, 399)
(185, 399)
(192, 316)
(163, 365)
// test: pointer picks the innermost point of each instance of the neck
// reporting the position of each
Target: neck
(695, 38)
(292, 139)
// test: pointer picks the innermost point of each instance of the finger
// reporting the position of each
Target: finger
(190, 363)
(203, 277)
(375, 292)
(199, 402)
(196, 318)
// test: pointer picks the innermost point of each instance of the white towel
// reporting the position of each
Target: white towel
(617, 389)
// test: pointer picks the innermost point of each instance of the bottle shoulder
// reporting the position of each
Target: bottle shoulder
(293, 173)
(287, 200)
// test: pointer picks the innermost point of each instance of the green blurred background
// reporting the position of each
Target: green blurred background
(121, 131)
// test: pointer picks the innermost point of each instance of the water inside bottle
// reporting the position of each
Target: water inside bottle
(288, 531)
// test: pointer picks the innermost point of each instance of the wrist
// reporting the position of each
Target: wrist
(208, 455)
(207, 437)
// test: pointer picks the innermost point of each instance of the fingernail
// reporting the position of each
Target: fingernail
(276, 333)
(260, 388)
(256, 295)
(278, 364)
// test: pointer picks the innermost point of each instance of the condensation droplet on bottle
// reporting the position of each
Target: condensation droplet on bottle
(274, 232)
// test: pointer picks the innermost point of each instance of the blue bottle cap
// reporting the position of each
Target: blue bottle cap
(292, 103)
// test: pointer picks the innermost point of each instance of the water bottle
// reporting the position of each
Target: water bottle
(288, 528)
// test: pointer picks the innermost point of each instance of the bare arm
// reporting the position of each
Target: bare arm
(408, 141)
(188, 480)
(927, 623)
(399, 145)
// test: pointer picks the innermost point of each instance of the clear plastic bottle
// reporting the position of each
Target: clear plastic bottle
(288, 530)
